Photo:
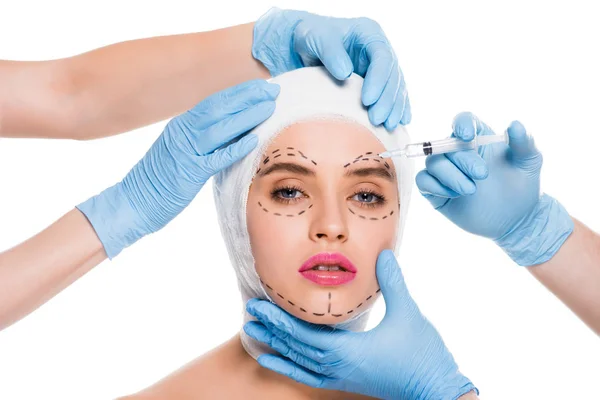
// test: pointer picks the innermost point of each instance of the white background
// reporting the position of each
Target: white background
(173, 296)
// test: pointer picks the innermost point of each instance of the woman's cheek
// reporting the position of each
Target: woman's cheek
(278, 241)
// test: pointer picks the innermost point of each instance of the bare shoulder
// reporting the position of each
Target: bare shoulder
(217, 374)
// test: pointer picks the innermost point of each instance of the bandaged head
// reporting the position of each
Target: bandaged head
(306, 213)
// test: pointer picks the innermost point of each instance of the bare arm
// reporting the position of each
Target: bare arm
(573, 274)
(123, 86)
(36, 270)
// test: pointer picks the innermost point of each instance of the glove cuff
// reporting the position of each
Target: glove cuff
(113, 219)
(273, 41)
(539, 236)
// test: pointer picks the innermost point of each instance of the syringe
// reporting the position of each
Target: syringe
(444, 146)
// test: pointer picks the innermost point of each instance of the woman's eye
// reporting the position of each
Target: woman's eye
(289, 193)
(366, 198)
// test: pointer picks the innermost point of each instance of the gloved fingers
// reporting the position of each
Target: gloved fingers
(318, 336)
(231, 127)
(429, 185)
(400, 308)
(292, 370)
(391, 282)
(228, 102)
(329, 49)
(380, 70)
(470, 163)
(401, 110)
(283, 343)
(522, 144)
(407, 115)
(449, 175)
(466, 125)
(225, 157)
(381, 110)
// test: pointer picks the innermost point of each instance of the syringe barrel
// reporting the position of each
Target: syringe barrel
(438, 147)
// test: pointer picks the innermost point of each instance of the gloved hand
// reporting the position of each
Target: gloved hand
(286, 39)
(495, 193)
(183, 158)
(404, 357)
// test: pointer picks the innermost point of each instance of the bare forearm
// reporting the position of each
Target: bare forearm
(573, 274)
(123, 86)
(36, 270)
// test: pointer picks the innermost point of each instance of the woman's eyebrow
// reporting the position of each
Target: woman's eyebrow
(370, 171)
(289, 167)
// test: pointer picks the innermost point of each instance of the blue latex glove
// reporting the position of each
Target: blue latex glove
(404, 357)
(187, 153)
(285, 40)
(495, 193)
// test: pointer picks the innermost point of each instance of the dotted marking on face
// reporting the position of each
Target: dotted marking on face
(289, 151)
(328, 303)
(280, 215)
(369, 155)
(370, 218)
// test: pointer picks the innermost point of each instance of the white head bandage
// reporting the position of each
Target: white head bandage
(306, 94)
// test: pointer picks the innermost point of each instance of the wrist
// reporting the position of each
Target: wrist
(469, 396)
(539, 235)
(272, 42)
(455, 389)
(114, 220)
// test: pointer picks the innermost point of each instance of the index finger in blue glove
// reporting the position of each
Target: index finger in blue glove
(449, 175)
(292, 370)
(381, 110)
(470, 163)
(228, 102)
(231, 127)
(401, 110)
(329, 49)
(466, 125)
(225, 157)
(311, 334)
(381, 61)
(284, 343)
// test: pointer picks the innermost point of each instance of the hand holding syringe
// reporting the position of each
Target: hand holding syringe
(441, 146)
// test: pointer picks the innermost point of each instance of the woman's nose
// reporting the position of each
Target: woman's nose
(329, 222)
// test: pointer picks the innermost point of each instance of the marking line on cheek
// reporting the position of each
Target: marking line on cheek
(371, 218)
(279, 214)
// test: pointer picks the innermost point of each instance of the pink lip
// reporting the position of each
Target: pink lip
(328, 278)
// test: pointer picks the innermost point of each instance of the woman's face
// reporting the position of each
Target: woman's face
(321, 208)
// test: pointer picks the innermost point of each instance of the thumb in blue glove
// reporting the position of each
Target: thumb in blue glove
(404, 357)
(495, 192)
(193, 147)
